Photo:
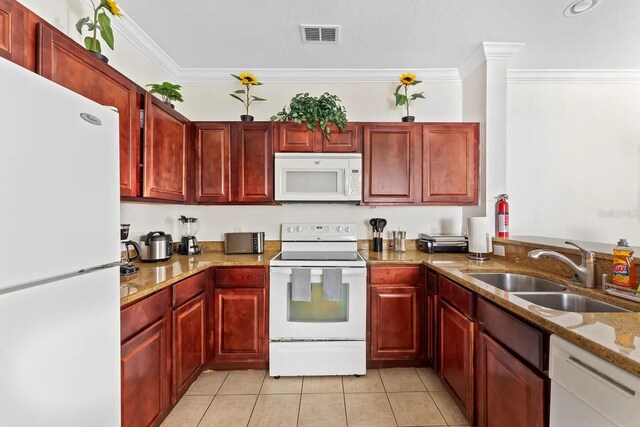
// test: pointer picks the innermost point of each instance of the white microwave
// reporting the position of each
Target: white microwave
(318, 177)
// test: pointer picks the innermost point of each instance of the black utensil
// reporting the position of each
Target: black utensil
(382, 223)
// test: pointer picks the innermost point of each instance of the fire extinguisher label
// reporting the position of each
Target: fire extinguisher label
(503, 222)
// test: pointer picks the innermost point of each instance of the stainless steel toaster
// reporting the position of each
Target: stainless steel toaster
(244, 243)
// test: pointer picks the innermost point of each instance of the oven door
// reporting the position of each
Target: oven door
(318, 319)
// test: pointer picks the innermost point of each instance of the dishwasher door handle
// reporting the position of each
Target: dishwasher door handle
(579, 363)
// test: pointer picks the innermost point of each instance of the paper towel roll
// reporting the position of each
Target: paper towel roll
(479, 233)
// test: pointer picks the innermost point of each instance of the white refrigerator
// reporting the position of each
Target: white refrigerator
(59, 254)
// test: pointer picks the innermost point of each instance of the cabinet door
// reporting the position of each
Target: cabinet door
(212, 161)
(240, 324)
(450, 164)
(13, 32)
(340, 142)
(188, 344)
(165, 152)
(65, 62)
(432, 328)
(146, 376)
(391, 163)
(294, 137)
(509, 393)
(456, 355)
(253, 148)
(395, 323)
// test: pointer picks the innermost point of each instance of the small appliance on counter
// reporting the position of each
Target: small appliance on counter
(244, 243)
(126, 268)
(156, 246)
(442, 243)
(189, 226)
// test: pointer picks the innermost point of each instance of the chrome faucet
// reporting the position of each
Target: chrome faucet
(585, 271)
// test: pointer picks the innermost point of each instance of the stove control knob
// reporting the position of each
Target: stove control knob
(290, 229)
(339, 228)
(348, 229)
(299, 229)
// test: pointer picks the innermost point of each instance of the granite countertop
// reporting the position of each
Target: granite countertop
(155, 276)
(613, 336)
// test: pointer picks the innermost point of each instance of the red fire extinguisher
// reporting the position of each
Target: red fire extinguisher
(502, 216)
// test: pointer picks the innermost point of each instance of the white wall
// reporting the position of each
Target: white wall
(573, 160)
(126, 58)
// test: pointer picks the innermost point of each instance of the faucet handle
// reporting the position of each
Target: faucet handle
(586, 254)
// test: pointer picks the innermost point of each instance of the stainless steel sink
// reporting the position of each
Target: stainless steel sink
(518, 282)
(571, 302)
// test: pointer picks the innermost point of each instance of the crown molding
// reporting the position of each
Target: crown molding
(317, 75)
(489, 51)
(572, 76)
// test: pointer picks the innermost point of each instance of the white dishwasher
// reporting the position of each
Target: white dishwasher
(588, 391)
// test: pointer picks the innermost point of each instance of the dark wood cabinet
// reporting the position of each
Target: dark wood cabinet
(189, 343)
(212, 163)
(165, 152)
(13, 32)
(146, 361)
(252, 150)
(294, 137)
(240, 325)
(450, 155)
(509, 393)
(431, 319)
(456, 355)
(391, 163)
(65, 62)
(395, 314)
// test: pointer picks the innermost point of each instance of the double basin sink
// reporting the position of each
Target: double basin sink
(545, 293)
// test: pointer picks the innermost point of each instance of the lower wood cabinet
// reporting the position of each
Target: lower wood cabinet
(240, 325)
(189, 343)
(456, 355)
(431, 319)
(509, 393)
(145, 362)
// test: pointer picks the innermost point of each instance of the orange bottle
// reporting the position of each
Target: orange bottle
(623, 269)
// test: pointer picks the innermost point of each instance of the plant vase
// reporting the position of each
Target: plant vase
(408, 119)
(246, 118)
(100, 56)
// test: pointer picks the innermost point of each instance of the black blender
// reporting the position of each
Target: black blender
(188, 228)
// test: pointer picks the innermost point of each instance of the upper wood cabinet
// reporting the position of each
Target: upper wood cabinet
(212, 162)
(65, 62)
(165, 152)
(450, 164)
(391, 163)
(294, 137)
(13, 32)
(252, 150)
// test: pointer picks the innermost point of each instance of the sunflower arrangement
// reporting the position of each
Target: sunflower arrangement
(406, 80)
(101, 22)
(249, 80)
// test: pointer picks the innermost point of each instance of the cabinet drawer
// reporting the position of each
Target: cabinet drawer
(240, 277)
(456, 295)
(188, 288)
(407, 275)
(521, 338)
(143, 313)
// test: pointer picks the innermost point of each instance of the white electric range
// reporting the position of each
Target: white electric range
(318, 336)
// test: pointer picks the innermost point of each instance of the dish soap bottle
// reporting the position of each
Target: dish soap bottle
(623, 269)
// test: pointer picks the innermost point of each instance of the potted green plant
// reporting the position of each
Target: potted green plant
(100, 22)
(246, 79)
(315, 111)
(406, 80)
(167, 91)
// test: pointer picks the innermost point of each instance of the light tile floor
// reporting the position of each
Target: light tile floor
(383, 397)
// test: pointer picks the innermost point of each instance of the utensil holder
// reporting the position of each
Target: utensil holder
(378, 244)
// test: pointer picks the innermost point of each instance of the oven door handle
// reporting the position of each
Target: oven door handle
(318, 271)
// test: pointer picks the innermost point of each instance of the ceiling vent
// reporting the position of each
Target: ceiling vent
(320, 33)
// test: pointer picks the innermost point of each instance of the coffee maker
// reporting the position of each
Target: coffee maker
(188, 228)
(126, 268)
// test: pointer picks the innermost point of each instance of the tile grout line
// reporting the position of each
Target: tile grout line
(256, 402)
(386, 394)
(212, 399)
(431, 396)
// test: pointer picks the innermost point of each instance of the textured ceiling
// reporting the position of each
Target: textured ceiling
(388, 33)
